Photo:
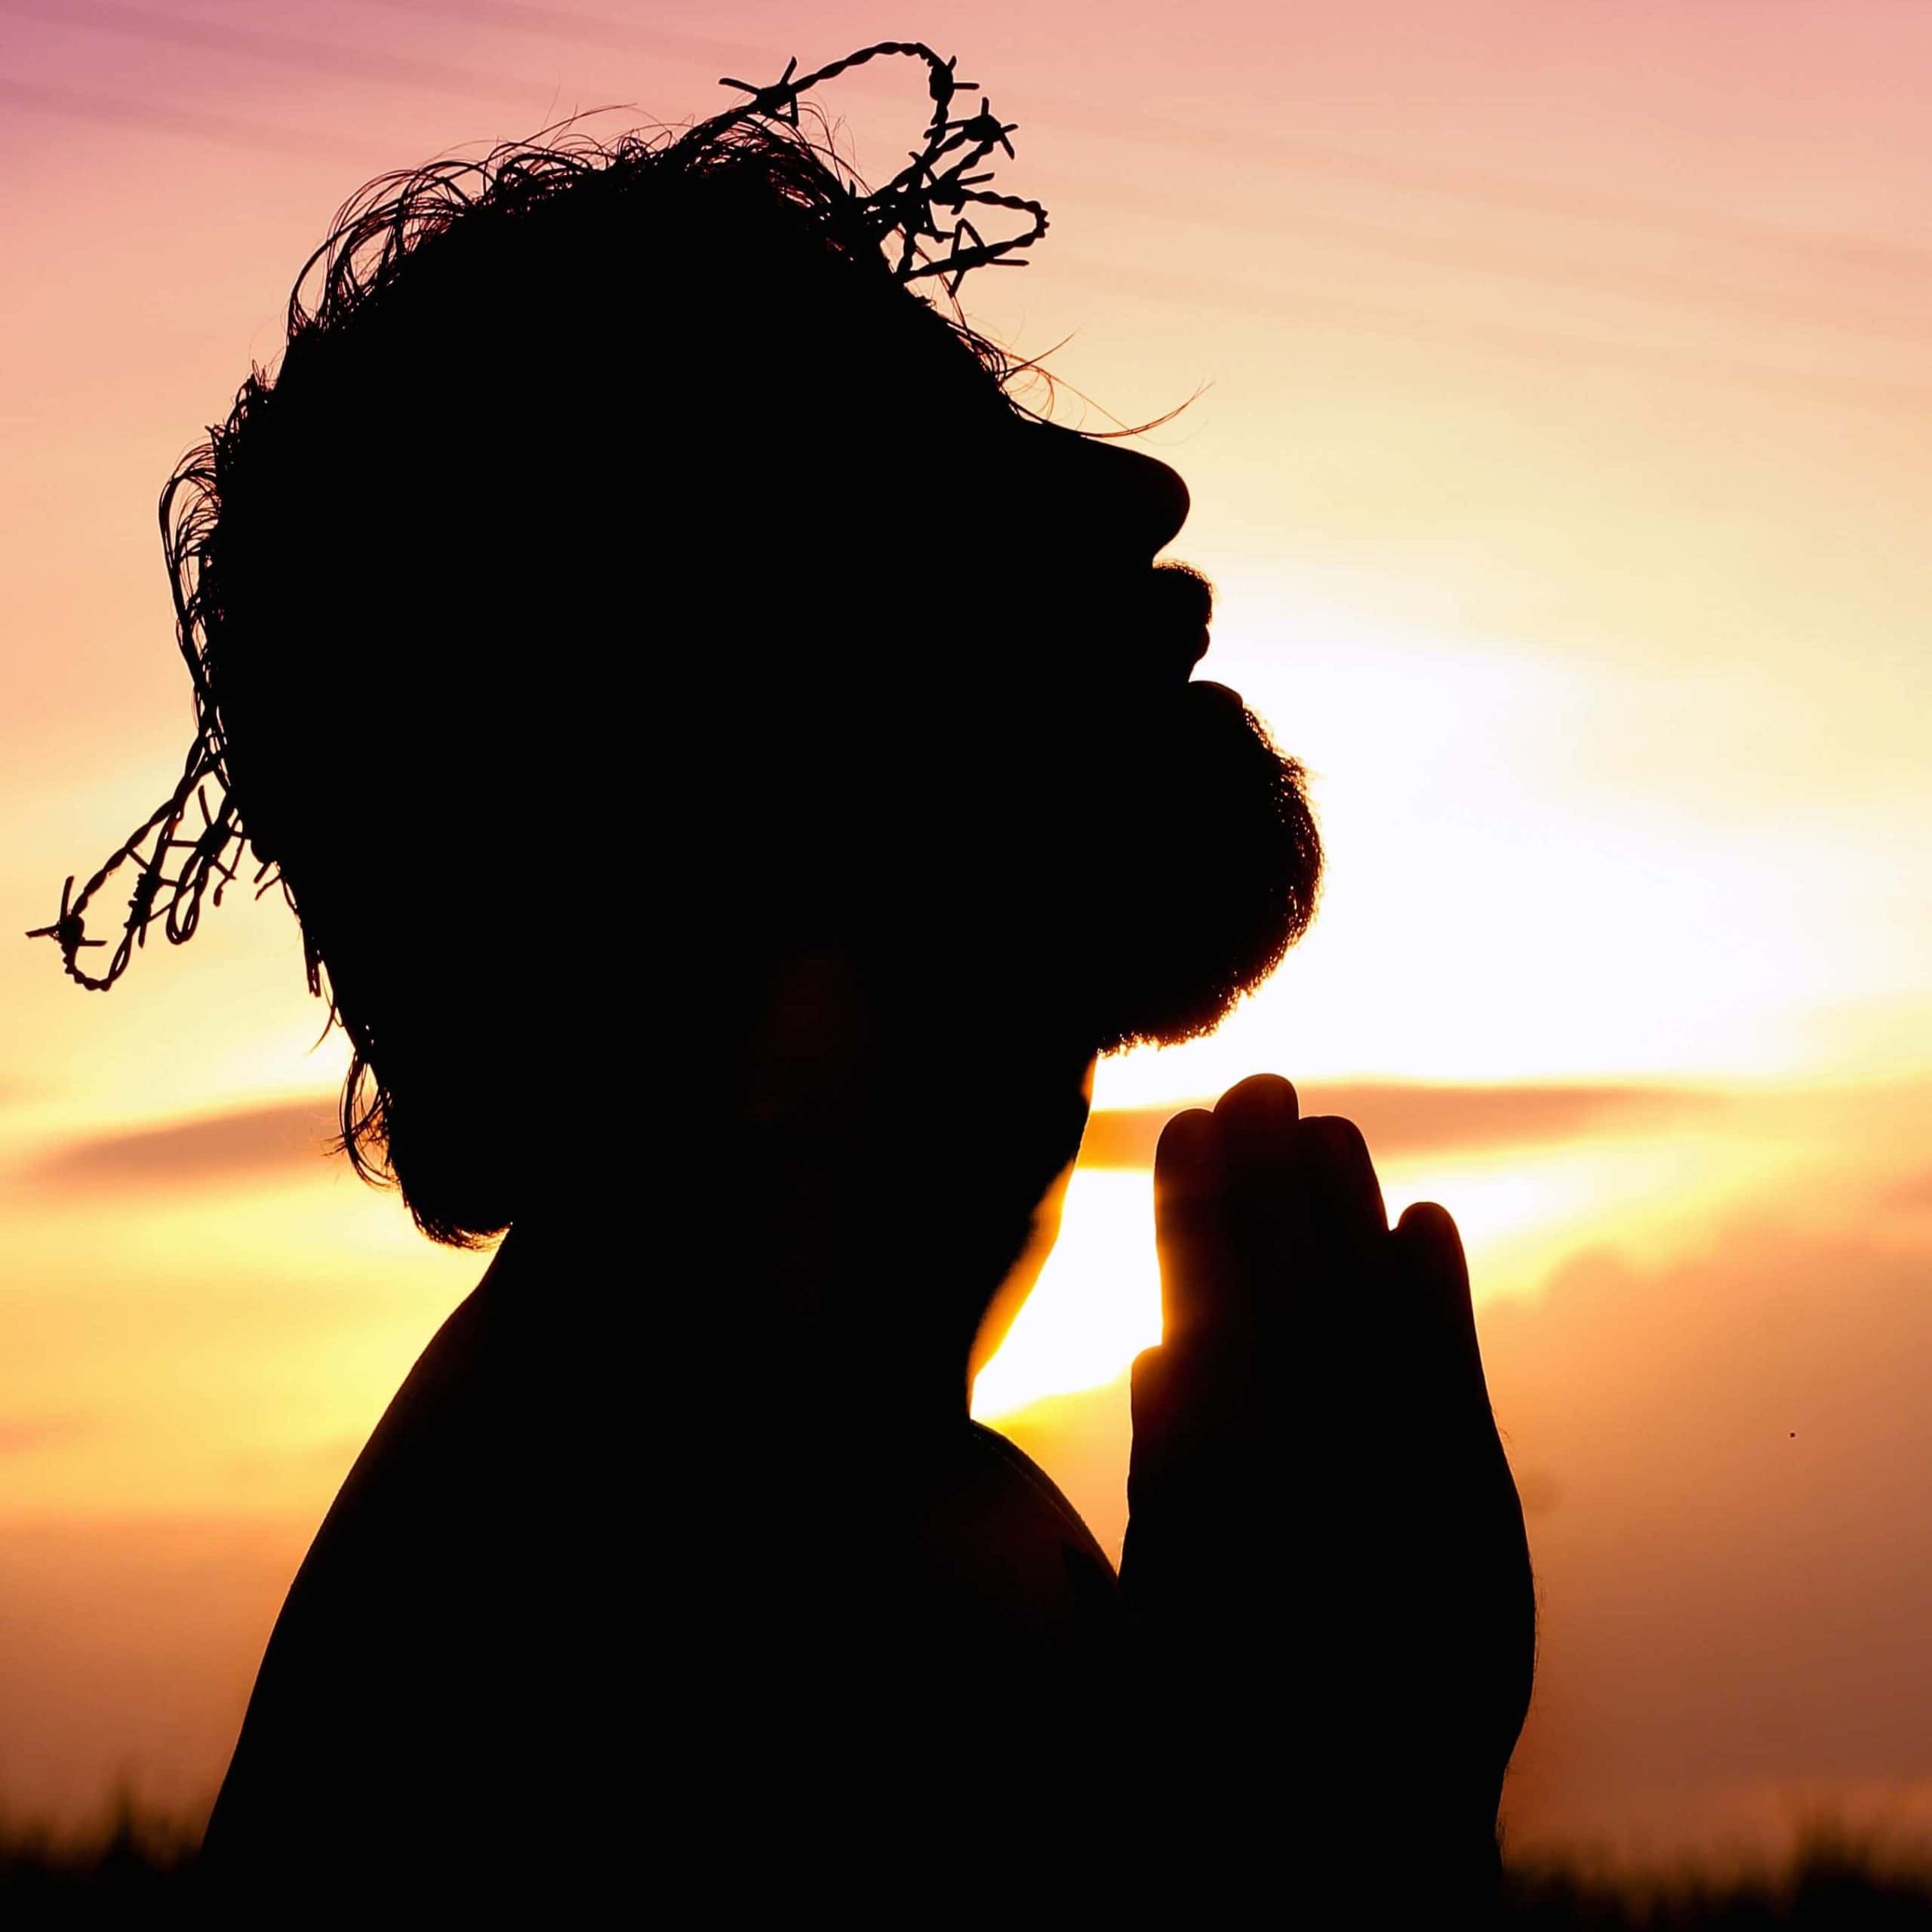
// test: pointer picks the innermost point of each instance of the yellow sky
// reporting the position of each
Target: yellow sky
(1563, 466)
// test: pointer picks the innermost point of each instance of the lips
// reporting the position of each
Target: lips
(1179, 607)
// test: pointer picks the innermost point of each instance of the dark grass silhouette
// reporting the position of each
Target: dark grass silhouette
(1835, 1880)
(137, 1867)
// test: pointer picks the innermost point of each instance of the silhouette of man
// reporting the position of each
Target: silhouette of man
(737, 769)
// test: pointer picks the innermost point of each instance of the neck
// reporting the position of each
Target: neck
(818, 1222)
(784, 1280)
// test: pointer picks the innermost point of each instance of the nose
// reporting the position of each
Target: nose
(1133, 500)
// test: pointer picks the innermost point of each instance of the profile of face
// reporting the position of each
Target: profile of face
(624, 598)
(1176, 852)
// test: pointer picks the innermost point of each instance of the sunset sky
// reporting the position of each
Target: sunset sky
(1561, 450)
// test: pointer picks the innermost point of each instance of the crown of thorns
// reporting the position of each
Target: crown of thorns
(938, 175)
(178, 863)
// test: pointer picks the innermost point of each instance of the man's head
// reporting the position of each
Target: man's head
(628, 590)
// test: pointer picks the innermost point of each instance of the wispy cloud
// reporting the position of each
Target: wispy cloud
(20, 1435)
(1399, 1117)
(206, 1150)
(1912, 1193)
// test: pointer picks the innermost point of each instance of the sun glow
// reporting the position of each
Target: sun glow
(1097, 1302)
(1521, 1212)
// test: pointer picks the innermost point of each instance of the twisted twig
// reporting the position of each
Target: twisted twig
(905, 203)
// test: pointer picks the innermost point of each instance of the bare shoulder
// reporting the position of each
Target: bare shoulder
(995, 1532)
(1033, 1489)
(407, 1590)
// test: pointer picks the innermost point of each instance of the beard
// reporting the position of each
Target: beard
(1109, 852)
(1209, 872)
(1095, 852)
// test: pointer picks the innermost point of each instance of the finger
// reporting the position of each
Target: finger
(1264, 1096)
(1432, 1266)
(1347, 1313)
(1190, 1225)
(1267, 1216)
(1345, 1197)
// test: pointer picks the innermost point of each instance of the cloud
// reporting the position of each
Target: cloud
(1736, 1580)
(1401, 1118)
(1911, 1195)
(246, 1141)
(21, 1435)
(1397, 1117)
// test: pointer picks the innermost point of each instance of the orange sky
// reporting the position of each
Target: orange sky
(1563, 466)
